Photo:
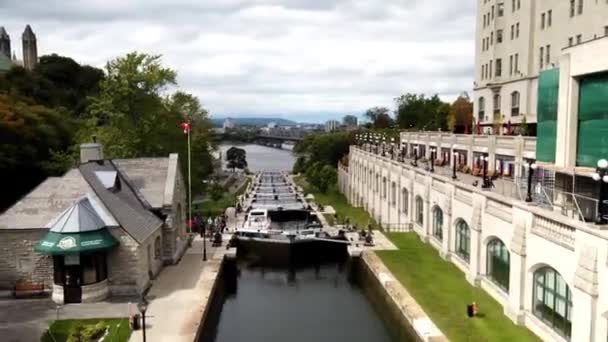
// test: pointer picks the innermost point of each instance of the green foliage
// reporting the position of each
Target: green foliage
(419, 112)
(327, 148)
(379, 117)
(236, 158)
(87, 330)
(300, 165)
(216, 192)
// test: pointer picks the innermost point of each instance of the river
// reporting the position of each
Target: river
(262, 158)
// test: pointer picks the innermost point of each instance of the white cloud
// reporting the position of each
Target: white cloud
(299, 58)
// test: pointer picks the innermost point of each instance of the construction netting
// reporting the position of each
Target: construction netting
(593, 120)
(548, 93)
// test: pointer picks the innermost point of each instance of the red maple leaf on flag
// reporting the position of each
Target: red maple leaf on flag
(186, 127)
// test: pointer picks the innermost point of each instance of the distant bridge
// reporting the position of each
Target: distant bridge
(279, 137)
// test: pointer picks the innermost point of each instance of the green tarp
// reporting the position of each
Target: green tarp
(548, 94)
(593, 120)
(72, 243)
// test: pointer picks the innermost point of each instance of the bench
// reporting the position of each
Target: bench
(24, 290)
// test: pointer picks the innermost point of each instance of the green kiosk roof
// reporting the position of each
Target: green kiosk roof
(72, 243)
(79, 229)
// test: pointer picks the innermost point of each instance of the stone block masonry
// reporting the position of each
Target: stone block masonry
(19, 264)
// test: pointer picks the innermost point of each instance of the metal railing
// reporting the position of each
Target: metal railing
(397, 227)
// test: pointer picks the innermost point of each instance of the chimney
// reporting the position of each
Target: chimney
(91, 152)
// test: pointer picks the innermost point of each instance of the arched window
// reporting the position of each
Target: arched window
(377, 183)
(157, 248)
(481, 111)
(552, 300)
(498, 264)
(371, 178)
(438, 223)
(515, 103)
(463, 240)
(419, 210)
(405, 200)
(496, 106)
(394, 194)
(384, 190)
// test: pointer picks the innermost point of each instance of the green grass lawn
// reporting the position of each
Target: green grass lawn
(356, 216)
(60, 330)
(212, 207)
(443, 292)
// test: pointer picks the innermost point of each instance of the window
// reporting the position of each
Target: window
(405, 201)
(463, 240)
(542, 55)
(377, 183)
(512, 31)
(518, 4)
(571, 8)
(549, 18)
(548, 57)
(419, 211)
(498, 264)
(605, 30)
(438, 223)
(482, 70)
(498, 67)
(552, 300)
(394, 194)
(580, 7)
(482, 108)
(492, 38)
(492, 12)
(515, 103)
(511, 65)
(516, 67)
(542, 21)
(384, 190)
(512, 5)
(490, 72)
(501, 9)
(498, 36)
(579, 38)
(570, 41)
(496, 105)
(157, 248)
(517, 30)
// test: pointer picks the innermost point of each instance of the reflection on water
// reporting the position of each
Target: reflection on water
(262, 158)
(313, 304)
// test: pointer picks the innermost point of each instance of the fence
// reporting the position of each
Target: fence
(397, 227)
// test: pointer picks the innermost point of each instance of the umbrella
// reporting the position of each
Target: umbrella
(509, 128)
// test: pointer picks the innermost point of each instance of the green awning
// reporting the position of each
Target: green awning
(71, 243)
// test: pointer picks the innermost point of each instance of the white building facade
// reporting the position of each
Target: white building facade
(545, 269)
(516, 40)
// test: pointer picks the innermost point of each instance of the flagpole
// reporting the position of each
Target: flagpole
(189, 184)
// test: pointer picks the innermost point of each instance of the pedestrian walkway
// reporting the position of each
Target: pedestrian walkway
(179, 296)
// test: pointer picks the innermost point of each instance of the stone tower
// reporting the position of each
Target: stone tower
(5, 43)
(30, 49)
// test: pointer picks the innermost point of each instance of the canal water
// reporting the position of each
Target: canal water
(262, 158)
(318, 303)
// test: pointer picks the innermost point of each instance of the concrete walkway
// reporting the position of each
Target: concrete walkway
(179, 296)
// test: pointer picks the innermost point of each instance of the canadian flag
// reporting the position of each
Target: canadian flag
(186, 127)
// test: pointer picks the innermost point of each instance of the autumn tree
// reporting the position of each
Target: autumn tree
(379, 117)
(460, 115)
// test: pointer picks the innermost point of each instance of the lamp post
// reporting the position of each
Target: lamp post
(433, 150)
(601, 175)
(204, 242)
(485, 184)
(416, 155)
(142, 306)
(531, 166)
(393, 148)
(454, 159)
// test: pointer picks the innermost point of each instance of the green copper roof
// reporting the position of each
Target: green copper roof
(5, 63)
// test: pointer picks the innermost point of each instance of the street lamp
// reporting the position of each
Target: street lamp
(142, 306)
(531, 166)
(433, 150)
(393, 148)
(454, 159)
(486, 183)
(601, 175)
(204, 242)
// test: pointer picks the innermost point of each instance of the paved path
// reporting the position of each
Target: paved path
(180, 294)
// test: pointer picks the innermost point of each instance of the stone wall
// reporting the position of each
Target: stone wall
(175, 208)
(19, 263)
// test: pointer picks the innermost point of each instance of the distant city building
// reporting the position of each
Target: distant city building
(332, 125)
(30, 50)
(272, 124)
(229, 123)
(350, 121)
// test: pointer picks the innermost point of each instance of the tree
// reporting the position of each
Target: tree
(379, 117)
(461, 114)
(419, 112)
(237, 158)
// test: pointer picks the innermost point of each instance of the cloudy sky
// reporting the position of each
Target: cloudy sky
(307, 60)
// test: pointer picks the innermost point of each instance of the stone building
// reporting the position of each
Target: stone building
(30, 48)
(104, 228)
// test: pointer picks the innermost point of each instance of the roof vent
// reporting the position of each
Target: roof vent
(107, 178)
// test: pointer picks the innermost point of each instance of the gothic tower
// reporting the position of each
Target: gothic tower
(30, 50)
(5, 43)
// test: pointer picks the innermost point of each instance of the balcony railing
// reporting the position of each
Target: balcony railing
(559, 233)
